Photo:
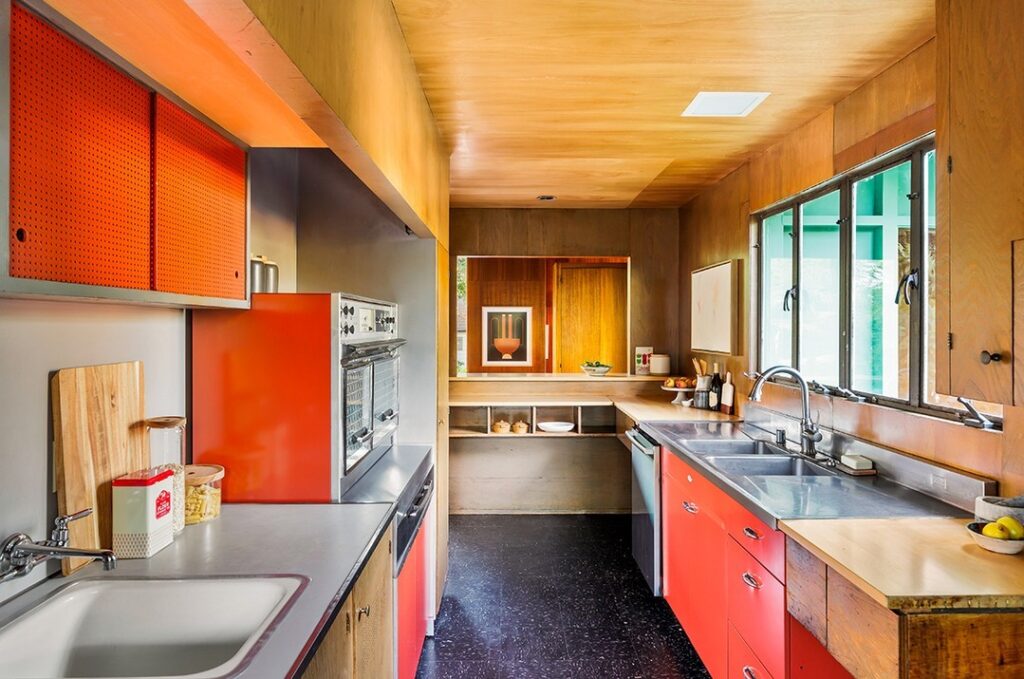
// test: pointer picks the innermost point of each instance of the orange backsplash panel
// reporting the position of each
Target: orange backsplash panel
(198, 207)
(80, 163)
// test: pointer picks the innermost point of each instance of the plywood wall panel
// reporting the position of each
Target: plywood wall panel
(891, 109)
(801, 160)
(505, 282)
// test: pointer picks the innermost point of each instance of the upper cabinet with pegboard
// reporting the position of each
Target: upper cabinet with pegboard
(115, 191)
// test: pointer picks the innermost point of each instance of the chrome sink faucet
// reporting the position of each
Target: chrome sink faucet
(809, 432)
(19, 553)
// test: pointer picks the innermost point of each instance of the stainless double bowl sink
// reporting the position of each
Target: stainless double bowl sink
(737, 457)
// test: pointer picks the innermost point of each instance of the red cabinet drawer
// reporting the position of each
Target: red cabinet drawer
(808, 659)
(743, 664)
(766, 545)
(673, 466)
(757, 607)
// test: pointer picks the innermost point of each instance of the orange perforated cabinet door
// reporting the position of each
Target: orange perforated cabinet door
(198, 207)
(80, 163)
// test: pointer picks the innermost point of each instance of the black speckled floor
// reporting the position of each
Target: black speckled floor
(538, 597)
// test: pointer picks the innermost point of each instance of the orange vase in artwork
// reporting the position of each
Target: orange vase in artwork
(505, 340)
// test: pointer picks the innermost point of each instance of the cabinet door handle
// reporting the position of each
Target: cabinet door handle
(690, 507)
(988, 357)
(751, 533)
(751, 581)
(360, 612)
(749, 673)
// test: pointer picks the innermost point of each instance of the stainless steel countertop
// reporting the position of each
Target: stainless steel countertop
(390, 476)
(327, 544)
(775, 498)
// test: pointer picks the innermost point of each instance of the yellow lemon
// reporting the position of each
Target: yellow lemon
(1013, 527)
(996, 530)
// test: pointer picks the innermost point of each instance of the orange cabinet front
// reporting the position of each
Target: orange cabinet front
(757, 608)
(808, 659)
(199, 207)
(743, 662)
(80, 163)
(412, 606)
(694, 560)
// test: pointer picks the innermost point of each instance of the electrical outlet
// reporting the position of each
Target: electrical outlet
(938, 481)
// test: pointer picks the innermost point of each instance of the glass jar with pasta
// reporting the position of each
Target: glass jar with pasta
(202, 492)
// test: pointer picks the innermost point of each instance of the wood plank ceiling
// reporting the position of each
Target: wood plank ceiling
(582, 99)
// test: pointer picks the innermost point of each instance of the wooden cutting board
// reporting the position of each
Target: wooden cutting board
(99, 434)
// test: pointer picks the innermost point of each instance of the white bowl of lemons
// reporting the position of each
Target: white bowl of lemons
(1005, 535)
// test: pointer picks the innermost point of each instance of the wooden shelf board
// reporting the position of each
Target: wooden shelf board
(473, 434)
(528, 400)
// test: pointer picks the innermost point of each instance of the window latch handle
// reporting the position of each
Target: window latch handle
(790, 295)
(909, 282)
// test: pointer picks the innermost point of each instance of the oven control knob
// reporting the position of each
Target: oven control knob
(352, 328)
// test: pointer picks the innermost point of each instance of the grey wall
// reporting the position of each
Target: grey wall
(349, 241)
(38, 337)
(273, 177)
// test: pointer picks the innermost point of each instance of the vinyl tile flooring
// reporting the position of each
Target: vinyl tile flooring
(551, 597)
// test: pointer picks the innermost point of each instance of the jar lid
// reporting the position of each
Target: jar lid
(169, 422)
(198, 474)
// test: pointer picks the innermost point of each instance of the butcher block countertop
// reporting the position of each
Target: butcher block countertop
(914, 564)
(651, 409)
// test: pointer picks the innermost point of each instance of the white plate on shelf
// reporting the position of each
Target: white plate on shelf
(556, 427)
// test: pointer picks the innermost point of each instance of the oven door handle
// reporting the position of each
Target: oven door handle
(388, 415)
(363, 437)
(422, 500)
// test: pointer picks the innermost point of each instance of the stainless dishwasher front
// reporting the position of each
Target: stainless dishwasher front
(646, 507)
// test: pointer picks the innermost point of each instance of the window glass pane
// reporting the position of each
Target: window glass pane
(819, 289)
(930, 395)
(880, 328)
(777, 279)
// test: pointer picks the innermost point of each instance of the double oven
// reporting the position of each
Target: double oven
(367, 381)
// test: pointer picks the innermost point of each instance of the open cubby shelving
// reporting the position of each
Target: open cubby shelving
(475, 420)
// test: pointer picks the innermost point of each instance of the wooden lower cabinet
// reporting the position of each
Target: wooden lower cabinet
(834, 617)
(360, 641)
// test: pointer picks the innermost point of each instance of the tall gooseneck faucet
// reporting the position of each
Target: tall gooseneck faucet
(809, 432)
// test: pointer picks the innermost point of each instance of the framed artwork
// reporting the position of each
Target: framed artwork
(712, 310)
(506, 335)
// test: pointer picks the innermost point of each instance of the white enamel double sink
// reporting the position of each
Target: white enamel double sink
(109, 627)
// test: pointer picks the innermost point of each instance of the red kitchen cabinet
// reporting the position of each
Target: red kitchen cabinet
(808, 659)
(694, 543)
(80, 163)
(766, 545)
(411, 595)
(199, 207)
(757, 608)
(743, 663)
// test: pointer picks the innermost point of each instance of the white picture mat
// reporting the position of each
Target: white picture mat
(712, 312)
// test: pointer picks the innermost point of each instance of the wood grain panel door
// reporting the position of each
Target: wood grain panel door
(591, 316)
(373, 601)
(335, 658)
(985, 40)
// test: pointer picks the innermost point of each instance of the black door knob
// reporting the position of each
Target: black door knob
(987, 357)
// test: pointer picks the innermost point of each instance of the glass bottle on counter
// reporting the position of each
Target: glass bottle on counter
(167, 449)
(715, 395)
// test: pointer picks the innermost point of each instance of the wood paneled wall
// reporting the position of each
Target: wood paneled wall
(346, 69)
(888, 110)
(894, 108)
(649, 237)
(505, 281)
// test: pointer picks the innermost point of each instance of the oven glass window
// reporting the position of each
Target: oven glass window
(358, 415)
(385, 397)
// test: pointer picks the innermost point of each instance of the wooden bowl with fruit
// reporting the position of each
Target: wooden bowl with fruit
(682, 386)
(1005, 535)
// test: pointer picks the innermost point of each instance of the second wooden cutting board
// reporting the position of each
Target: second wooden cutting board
(99, 434)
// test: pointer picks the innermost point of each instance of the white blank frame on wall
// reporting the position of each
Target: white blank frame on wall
(712, 308)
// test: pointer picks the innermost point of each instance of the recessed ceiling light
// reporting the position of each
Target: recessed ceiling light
(546, 196)
(725, 104)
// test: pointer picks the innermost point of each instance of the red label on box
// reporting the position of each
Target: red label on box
(163, 504)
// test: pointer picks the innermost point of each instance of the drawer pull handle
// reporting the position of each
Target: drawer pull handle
(749, 673)
(360, 612)
(751, 581)
(751, 533)
(690, 507)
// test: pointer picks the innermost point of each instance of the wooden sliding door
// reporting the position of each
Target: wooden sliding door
(591, 316)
